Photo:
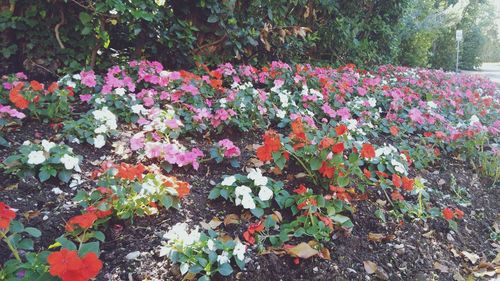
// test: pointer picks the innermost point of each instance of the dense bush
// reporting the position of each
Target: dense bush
(49, 37)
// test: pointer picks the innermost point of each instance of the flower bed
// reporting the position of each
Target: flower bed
(333, 141)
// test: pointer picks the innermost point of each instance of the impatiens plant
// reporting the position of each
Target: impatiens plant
(94, 127)
(201, 254)
(132, 190)
(253, 191)
(225, 149)
(43, 160)
(31, 265)
(44, 102)
(8, 116)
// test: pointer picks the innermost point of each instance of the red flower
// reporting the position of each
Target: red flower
(35, 85)
(367, 173)
(459, 214)
(408, 184)
(326, 142)
(307, 202)
(367, 151)
(396, 180)
(326, 171)
(427, 134)
(341, 129)
(130, 172)
(301, 189)
(6, 216)
(448, 214)
(338, 148)
(16, 98)
(381, 174)
(394, 130)
(252, 229)
(52, 87)
(396, 196)
(272, 144)
(84, 221)
(183, 189)
(298, 131)
(68, 266)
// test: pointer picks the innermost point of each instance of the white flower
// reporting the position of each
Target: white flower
(99, 141)
(138, 108)
(239, 250)
(70, 162)
(265, 193)
(257, 177)
(244, 197)
(149, 187)
(223, 258)
(165, 250)
(280, 113)
(473, 120)
(36, 157)
(120, 91)
(228, 181)
(71, 84)
(77, 77)
(400, 168)
(431, 104)
(211, 245)
(27, 142)
(47, 145)
(372, 102)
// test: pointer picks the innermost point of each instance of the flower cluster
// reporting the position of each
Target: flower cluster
(199, 253)
(45, 159)
(225, 149)
(68, 266)
(94, 127)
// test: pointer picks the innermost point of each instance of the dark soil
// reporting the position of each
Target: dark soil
(411, 255)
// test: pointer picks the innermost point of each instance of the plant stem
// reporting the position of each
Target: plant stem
(11, 247)
(305, 167)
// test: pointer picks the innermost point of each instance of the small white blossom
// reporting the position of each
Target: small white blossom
(99, 141)
(265, 193)
(47, 145)
(228, 181)
(70, 162)
(257, 177)
(36, 157)
(223, 258)
(239, 251)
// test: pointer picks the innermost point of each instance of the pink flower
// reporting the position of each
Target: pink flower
(85, 98)
(230, 150)
(344, 113)
(137, 141)
(329, 111)
(88, 78)
(416, 116)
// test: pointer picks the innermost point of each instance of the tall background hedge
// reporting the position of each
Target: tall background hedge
(49, 37)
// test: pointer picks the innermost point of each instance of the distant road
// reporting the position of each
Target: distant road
(490, 70)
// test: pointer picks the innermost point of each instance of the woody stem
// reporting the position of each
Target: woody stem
(305, 167)
(11, 247)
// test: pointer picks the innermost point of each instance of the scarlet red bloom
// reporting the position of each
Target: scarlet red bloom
(271, 144)
(252, 229)
(427, 134)
(381, 174)
(68, 266)
(448, 214)
(183, 189)
(408, 184)
(326, 143)
(341, 129)
(367, 173)
(326, 171)
(35, 85)
(394, 130)
(16, 98)
(301, 189)
(6, 216)
(52, 87)
(307, 202)
(84, 221)
(338, 148)
(396, 196)
(459, 214)
(396, 180)
(367, 151)
(298, 131)
(130, 172)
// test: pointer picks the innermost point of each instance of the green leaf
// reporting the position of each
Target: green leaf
(258, 212)
(64, 176)
(85, 17)
(225, 269)
(315, 164)
(89, 247)
(343, 181)
(66, 244)
(213, 18)
(26, 244)
(33, 232)
(43, 175)
(214, 193)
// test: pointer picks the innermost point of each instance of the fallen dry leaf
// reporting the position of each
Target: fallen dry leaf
(325, 253)
(378, 237)
(302, 250)
(276, 216)
(370, 267)
(496, 260)
(31, 214)
(231, 219)
(441, 267)
(473, 258)
(212, 224)
(428, 234)
(300, 175)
